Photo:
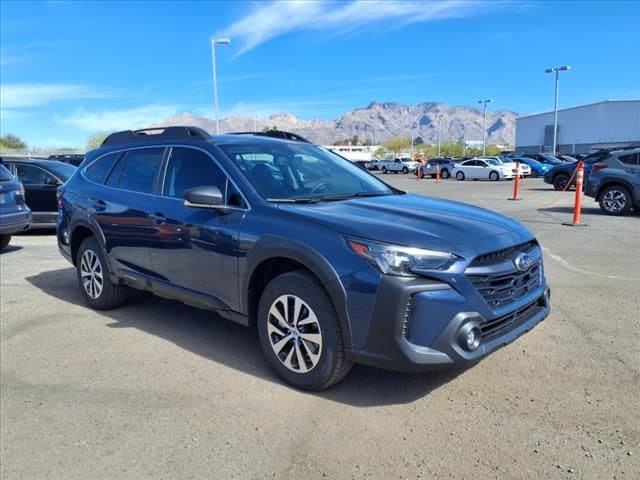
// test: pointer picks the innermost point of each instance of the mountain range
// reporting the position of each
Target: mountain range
(378, 122)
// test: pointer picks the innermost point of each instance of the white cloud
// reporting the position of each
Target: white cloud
(34, 95)
(104, 120)
(269, 20)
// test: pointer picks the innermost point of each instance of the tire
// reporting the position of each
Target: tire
(615, 200)
(405, 170)
(460, 176)
(494, 176)
(295, 362)
(384, 170)
(4, 241)
(97, 290)
(444, 174)
(560, 181)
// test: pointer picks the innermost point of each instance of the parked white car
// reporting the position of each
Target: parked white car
(525, 170)
(401, 164)
(485, 169)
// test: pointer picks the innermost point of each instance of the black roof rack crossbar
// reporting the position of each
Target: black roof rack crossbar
(157, 133)
(276, 134)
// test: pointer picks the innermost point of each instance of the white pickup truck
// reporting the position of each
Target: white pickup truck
(400, 164)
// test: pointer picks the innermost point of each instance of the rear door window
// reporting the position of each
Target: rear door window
(139, 170)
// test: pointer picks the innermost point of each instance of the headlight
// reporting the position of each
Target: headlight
(400, 261)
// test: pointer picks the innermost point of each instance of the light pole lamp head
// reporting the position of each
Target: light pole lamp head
(222, 41)
(563, 68)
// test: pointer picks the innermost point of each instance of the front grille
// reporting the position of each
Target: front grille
(498, 281)
(500, 289)
(498, 326)
(500, 255)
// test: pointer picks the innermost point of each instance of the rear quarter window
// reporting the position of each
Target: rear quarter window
(5, 175)
(99, 170)
(632, 159)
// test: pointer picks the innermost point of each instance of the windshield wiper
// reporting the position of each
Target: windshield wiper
(294, 200)
(347, 196)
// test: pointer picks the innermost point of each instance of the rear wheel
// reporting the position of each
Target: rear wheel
(615, 200)
(494, 176)
(405, 170)
(96, 288)
(384, 170)
(445, 174)
(460, 176)
(560, 181)
(300, 333)
(4, 241)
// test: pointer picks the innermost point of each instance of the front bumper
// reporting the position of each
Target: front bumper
(15, 222)
(417, 326)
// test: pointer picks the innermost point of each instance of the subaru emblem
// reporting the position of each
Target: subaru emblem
(523, 262)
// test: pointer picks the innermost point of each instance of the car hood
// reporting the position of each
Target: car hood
(414, 220)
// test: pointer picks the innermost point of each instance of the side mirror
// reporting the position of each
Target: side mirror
(203, 197)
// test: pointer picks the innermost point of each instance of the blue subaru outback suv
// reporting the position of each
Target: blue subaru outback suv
(331, 265)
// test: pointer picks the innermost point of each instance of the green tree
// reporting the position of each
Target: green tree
(94, 141)
(12, 141)
(381, 152)
(398, 145)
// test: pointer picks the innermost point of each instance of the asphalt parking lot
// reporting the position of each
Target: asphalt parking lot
(160, 390)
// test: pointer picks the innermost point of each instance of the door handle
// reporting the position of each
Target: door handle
(158, 218)
(98, 205)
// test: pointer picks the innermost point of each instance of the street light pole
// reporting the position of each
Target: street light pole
(214, 42)
(484, 125)
(439, 132)
(557, 71)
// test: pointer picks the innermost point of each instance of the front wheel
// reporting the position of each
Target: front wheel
(405, 170)
(460, 176)
(300, 333)
(615, 200)
(560, 181)
(96, 288)
(445, 174)
(494, 176)
(384, 170)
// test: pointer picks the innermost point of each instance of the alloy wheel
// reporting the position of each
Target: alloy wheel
(614, 201)
(294, 333)
(91, 274)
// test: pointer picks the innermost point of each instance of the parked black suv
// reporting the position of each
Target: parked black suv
(40, 178)
(330, 264)
(615, 182)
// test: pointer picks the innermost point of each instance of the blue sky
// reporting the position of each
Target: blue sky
(71, 69)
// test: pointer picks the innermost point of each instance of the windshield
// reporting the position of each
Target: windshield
(304, 172)
(61, 170)
(528, 161)
(5, 175)
(553, 160)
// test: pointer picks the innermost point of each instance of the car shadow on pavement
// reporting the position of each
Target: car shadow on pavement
(210, 336)
(10, 248)
(584, 211)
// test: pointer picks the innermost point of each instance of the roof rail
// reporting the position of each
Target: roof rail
(157, 133)
(276, 134)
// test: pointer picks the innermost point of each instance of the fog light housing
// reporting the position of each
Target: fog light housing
(469, 336)
(65, 236)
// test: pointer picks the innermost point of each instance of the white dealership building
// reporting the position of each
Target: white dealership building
(582, 129)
